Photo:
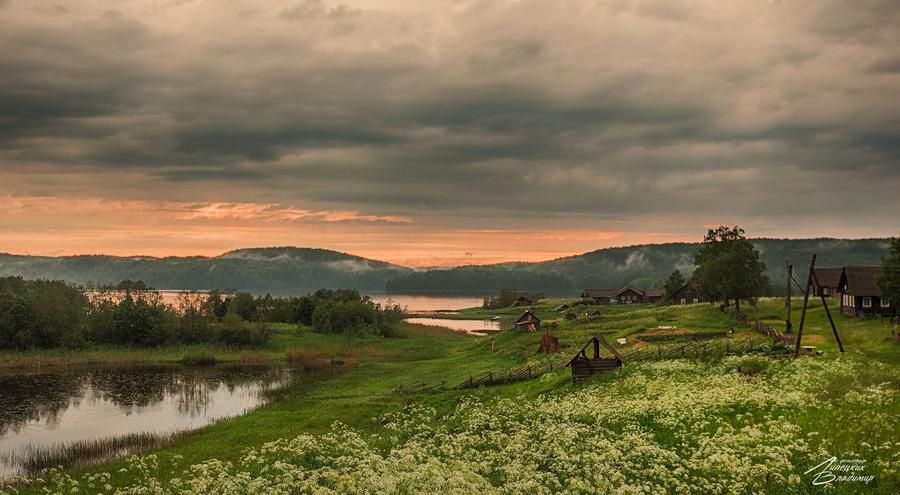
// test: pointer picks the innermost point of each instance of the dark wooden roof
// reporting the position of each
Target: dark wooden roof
(829, 277)
(654, 292)
(527, 317)
(862, 280)
(628, 288)
(599, 293)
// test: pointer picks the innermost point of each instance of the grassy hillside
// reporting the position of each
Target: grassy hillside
(679, 426)
(641, 266)
(283, 268)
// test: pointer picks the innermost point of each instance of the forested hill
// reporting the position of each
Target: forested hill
(278, 268)
(641, 266)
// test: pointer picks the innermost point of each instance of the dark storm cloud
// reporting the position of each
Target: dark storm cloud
(475, 109)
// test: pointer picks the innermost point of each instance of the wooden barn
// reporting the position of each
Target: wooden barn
(653, 295)
(524, 301)
(561, 308)
(528, 321)
(829, 282)
(687, 295)
(599, 296)
(860, 294)
(625, 295)
(583, 366)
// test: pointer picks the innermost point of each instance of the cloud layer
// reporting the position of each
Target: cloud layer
(464, 115)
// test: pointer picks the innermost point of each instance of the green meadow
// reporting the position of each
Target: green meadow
(680, 426)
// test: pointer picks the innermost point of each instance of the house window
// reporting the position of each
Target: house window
(696, 300)
(826, 291)
(867, 302)
(885, 302)
(683, 301)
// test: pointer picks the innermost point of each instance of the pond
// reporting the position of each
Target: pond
(41, 411)
(471, 327)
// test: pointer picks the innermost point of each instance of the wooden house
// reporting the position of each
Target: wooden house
(528, 321)
(561, 308)
(688, 294)
(524, 301)
(653, 296)
(599, 296)
(829, 282)
(629, 295)
(583, 366)
(860, 294)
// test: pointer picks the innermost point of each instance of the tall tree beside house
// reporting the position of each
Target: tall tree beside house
(673, 283)
(728, 266)
(889, 281)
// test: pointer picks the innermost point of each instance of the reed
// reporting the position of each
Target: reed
(32, 459)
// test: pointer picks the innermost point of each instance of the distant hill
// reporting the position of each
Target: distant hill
(641, 266)
(277, 268)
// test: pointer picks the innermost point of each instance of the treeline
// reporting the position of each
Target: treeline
(46, 314)
(247, 269)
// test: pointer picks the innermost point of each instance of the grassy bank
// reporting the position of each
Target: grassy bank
(533, 434)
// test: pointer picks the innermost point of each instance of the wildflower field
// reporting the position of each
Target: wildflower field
(665, 427)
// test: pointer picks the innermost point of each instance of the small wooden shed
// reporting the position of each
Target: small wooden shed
(583, 366)
(528, 321)
(524, 301)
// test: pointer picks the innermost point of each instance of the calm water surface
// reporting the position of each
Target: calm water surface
(61, 406)
(472, 327)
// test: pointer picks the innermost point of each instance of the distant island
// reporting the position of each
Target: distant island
(296, 269)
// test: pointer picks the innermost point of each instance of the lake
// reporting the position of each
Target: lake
(49, 408)
(472, 327)
(413, 303)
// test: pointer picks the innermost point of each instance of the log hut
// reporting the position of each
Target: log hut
(528, 321)
(583, 366)
(860, 294)
(688, 294)
(829, 282)
(524, 301)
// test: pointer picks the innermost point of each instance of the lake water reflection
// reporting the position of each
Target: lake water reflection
(42, 409)
(472, 327)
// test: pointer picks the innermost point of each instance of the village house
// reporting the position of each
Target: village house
(688, 294)
(524, 301)
(829, 282)
(528, 321)
(860, 294)
(625, 295)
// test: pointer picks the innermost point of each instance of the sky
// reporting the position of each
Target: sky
(437, 133)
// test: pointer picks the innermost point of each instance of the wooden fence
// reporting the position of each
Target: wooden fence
(775, 334)
(513, 374)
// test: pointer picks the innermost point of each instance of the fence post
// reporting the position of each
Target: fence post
(529, 371)
(491, 376)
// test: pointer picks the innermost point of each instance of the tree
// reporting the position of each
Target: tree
(673, 283)
(728, 266)
(889, 281)
(244, 305)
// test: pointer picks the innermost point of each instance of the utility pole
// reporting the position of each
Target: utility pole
(788, 327)
(809, 279)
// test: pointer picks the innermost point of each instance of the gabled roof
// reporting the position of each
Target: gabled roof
(627, 288)
(654, 292)
(526, 317)
(599, 293)
(862, 280)
(829, 277)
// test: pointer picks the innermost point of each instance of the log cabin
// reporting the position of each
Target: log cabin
(524, 301)
(829, 282)
(860, 294)
(528, 321)
(625, 295)
(688, 294)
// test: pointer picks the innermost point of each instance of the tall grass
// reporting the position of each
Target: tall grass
(32, 459)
